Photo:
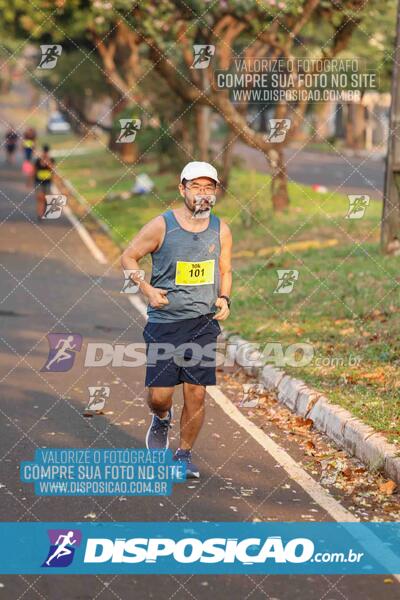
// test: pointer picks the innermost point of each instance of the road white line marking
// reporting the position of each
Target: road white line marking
(138, 303)
(294, 470)
(85, 237)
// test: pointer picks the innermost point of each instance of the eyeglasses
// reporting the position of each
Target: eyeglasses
(194, 187)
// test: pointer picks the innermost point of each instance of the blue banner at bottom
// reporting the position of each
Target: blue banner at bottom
(199, 548)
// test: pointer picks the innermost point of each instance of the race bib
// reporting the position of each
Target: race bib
(194, 273)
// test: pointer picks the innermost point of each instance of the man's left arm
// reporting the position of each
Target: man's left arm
(225, 271)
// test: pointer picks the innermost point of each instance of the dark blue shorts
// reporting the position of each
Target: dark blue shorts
(182, 351)
(28, 153)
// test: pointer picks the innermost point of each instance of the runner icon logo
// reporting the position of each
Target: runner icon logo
(62, 547)
(97, 398)
(62, 351)
(286, 280)
(129, 128)
(203, 206)
(202, 55)
(251, 395)
(357, 205)
(278, 128)
(54, 206)
(133, 277)
(50, 55)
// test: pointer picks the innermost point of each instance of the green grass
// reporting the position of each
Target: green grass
(246, 206)
(345, 302)
(345, 305)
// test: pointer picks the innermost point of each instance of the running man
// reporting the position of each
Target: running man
(11, 140)
(28, 143)
(187, 295)
(43, 175)
(62, 542)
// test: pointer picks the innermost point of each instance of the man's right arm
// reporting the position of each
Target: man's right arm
(146, 241)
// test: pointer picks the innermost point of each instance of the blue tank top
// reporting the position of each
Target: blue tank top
(187, 266)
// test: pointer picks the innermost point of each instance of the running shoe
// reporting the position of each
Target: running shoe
(185, 456)
(157, 433)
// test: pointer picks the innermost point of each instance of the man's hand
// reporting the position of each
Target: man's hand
(224, 311)
(157, 297)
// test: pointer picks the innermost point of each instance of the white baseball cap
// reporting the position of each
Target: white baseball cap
(199, 169)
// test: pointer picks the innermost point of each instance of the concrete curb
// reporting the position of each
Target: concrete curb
(338, 424)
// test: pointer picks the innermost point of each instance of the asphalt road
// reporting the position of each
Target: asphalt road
(51, 283)
(336, 171)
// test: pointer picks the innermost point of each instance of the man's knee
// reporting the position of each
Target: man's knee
(160, 398)
(195, 393)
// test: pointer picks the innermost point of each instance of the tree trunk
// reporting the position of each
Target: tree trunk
(128, 152)
(202, 131)
(186, 135)
(227, 157)
(321, 121)
(355, 127)
(390, 232)
(359, 125)
(279, 190)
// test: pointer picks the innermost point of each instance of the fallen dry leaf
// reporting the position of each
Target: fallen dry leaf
(346, 331)
(388, 487)
(308, 423)
(347, 472)
(310, 448)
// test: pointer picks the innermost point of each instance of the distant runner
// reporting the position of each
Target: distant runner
(28, 143)
(43, 175)
(11, 141)
(188, 294)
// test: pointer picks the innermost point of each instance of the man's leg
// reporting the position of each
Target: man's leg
(160, 403)
(192, 414)
(160, 400)
(40, 203)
